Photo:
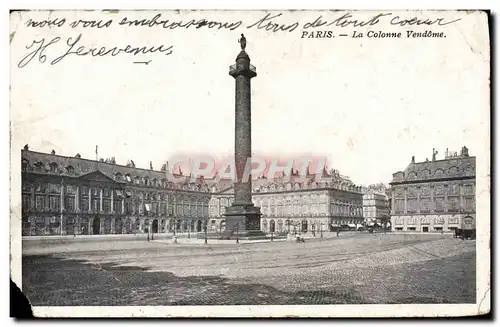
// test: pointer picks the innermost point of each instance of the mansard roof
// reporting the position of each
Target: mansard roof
(52, 164)
(452, 167)
(76, 167)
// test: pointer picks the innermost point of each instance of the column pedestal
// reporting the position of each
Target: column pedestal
(243, 221)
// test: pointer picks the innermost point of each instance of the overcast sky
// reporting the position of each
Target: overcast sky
(366, 104)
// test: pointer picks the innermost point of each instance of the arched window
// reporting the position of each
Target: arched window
(70, 170)
(38, 166)
(53, 167)
(25, 165)
(118, 176)
(412, 175)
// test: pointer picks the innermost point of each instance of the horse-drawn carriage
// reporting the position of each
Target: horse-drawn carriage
(467, 229)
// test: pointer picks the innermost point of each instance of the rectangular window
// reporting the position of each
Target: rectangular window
(439, 204)
(117, 206)
(106, 205)
(26, 202)
(84, 204)
(95, 205)
(399, 228)
(426, 205)
(70, 189)
(469, 204)
(400, 205)
(128, 207)
(453, 204)
(412, 205)
(54, 203)
(412, 228)
(69, 203)
(54, 188)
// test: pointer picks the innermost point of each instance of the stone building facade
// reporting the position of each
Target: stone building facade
(72, 195)
(375, 207)
(436, 195)
(290, 205)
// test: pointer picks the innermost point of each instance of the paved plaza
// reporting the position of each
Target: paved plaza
(353, 268)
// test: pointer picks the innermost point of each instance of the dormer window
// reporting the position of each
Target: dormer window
(25, 165)
(38, 166)
(53, 167)
(128, 178)
(70, 170)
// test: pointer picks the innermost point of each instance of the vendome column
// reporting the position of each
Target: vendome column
(242, 216)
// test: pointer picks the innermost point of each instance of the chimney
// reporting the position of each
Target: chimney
(78, 156)
(151, 165)
(53, 152)
(413, 159)
(464, 152)
(26, 147)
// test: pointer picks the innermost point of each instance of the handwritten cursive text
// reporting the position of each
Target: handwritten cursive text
(73, 47)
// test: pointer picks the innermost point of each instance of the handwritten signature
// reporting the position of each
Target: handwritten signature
(39, 48)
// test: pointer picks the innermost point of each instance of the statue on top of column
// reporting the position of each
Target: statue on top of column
(243, 42)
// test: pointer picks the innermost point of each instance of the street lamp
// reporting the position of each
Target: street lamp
(206, 227)
(321, 230)
(189, 230)
(237, 232)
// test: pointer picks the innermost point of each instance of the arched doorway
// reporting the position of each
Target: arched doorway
(84, 226)
(280, 226)
(106, 226)
(118, 226)
(199, 226)
(96, 226)
(128, 226)
(304, 226)
(155, 226)
(272, 226)
(70, 226)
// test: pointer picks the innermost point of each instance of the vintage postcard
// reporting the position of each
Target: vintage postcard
(224, 163)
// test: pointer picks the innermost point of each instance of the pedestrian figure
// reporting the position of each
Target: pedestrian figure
(83, 229)
(338, 231)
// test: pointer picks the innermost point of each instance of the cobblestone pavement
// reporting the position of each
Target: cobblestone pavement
(354, 268)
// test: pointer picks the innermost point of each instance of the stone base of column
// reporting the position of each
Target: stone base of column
(243, 221)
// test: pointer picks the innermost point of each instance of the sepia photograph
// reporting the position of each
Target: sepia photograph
(250, 163)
